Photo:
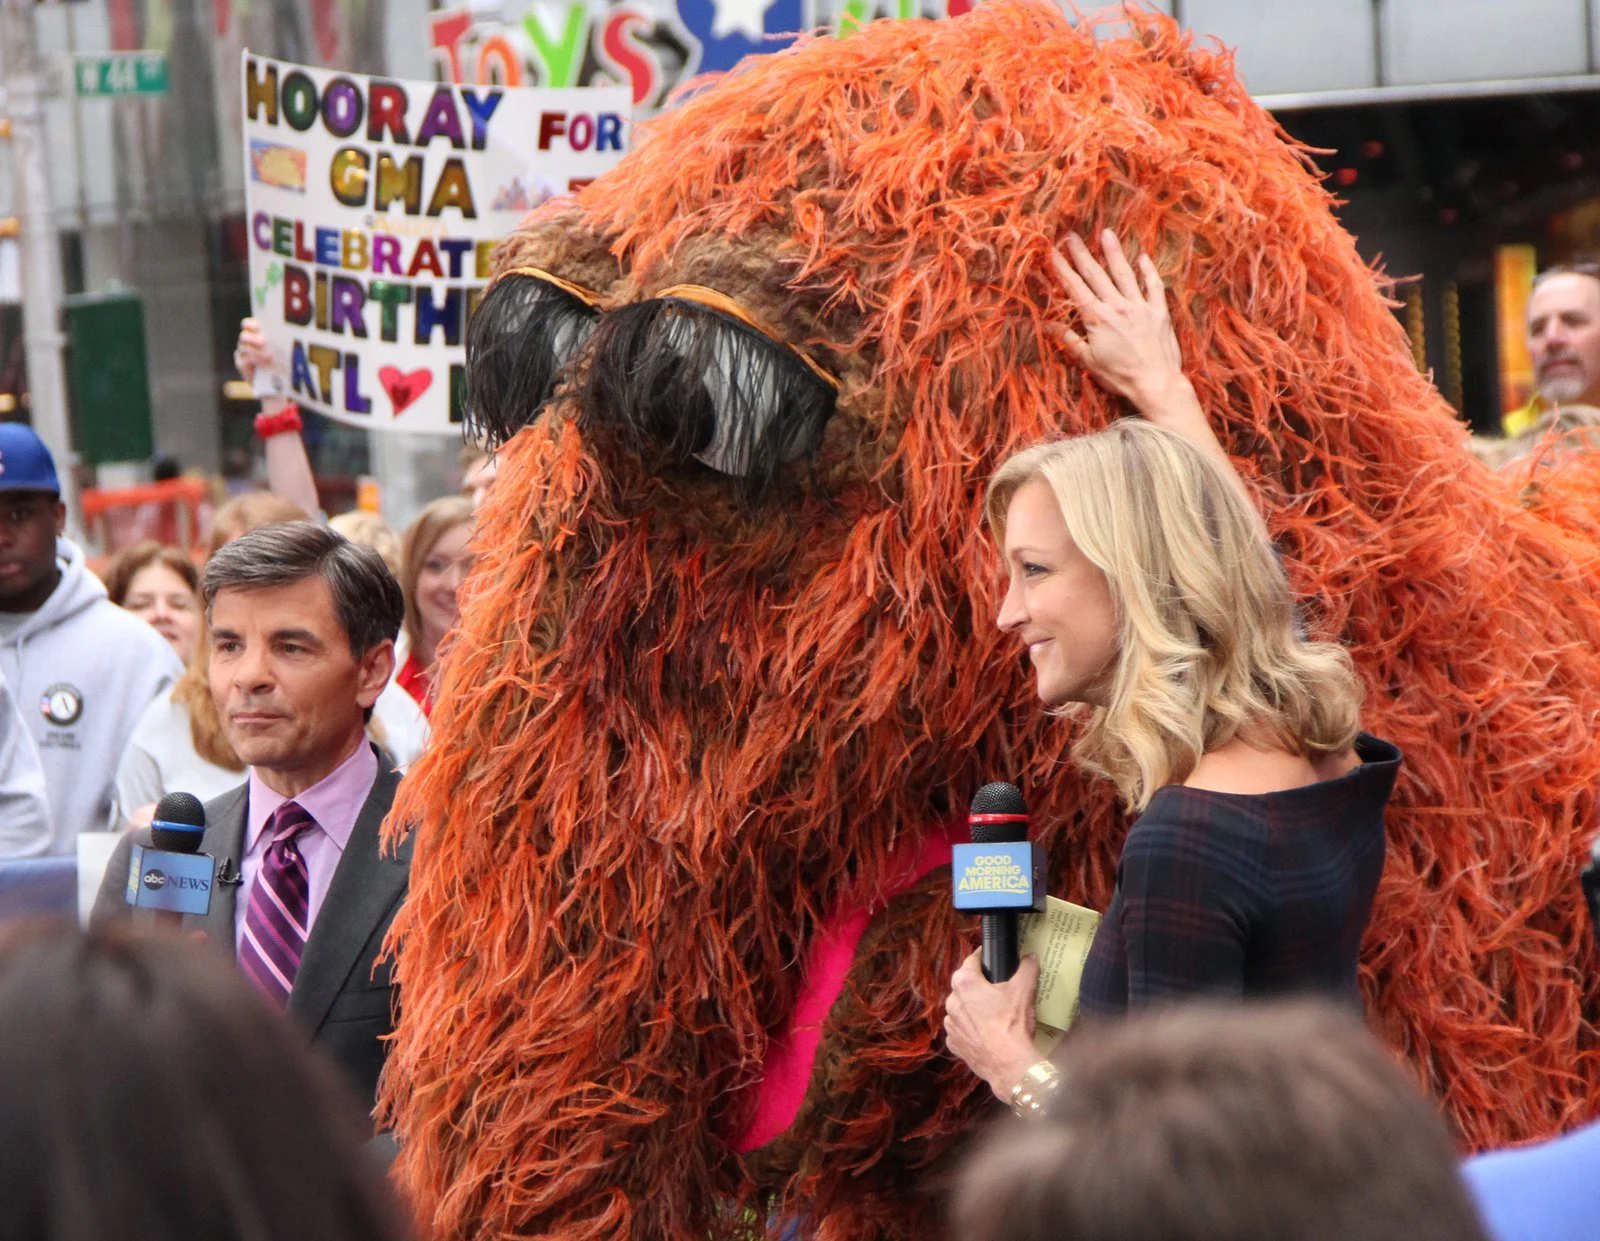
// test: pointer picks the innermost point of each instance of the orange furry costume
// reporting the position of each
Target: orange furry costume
(684, 738)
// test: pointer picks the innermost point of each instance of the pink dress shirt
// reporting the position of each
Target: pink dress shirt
(334, 802)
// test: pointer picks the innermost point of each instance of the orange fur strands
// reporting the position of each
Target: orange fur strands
(674, 733)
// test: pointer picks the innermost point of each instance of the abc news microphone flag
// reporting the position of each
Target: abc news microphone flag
(372, 206)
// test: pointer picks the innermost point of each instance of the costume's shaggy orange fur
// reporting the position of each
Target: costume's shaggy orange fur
(672, 733)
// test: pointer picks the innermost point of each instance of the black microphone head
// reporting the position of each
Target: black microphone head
(998, 814)
(179, 823)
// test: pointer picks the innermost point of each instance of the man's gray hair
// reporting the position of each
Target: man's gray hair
(366, 598)
(1584, 267)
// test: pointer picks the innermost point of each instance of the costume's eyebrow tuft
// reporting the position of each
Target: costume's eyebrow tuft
(682, 381)
(526, 330)
(698, 294)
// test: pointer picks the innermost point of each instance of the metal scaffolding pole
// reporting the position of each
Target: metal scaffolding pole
(43, 341)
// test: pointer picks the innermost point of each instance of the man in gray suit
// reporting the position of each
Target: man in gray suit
(302, 629)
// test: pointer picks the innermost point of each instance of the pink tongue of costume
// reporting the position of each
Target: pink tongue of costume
(787, 1070)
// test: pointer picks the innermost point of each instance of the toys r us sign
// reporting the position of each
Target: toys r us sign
(651, 47)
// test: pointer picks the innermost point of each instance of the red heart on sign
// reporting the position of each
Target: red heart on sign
(404, 388)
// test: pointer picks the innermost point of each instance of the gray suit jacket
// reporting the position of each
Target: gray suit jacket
(343, 997)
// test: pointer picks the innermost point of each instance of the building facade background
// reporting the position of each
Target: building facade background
(1453, 128)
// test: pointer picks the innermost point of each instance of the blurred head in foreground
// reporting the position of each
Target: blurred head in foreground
(1279, 1122)
(145, 1091)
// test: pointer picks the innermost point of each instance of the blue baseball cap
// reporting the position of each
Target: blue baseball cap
(25, 463)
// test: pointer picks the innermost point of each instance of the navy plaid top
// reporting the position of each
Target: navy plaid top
(1244, 894)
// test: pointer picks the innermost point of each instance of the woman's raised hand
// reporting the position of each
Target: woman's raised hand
(1127, 344)
(252, 352)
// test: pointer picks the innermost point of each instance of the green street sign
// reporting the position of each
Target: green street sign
(120, 73)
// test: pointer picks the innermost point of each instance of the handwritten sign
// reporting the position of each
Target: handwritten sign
(1060, 938)
(373, 207)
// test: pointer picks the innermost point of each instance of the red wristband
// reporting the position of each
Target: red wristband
(285, 420)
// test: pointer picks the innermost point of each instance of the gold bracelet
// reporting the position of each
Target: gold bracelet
(1033, 1092)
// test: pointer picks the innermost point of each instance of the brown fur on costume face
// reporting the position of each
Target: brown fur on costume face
(675, 729)
(556, 238)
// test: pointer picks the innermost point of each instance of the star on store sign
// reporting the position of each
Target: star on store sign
(745, 17)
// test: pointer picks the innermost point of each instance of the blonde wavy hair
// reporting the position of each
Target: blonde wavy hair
(370, 530)
(1209, 648)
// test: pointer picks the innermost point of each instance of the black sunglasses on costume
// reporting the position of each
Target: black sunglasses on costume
(687, 375)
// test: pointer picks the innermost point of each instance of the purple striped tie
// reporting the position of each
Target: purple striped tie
(280, 900)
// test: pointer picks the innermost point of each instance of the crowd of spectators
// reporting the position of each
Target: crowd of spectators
(177, 742)
(118, 658)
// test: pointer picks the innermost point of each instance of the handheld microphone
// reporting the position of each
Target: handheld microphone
(998, 875)
(171, 874)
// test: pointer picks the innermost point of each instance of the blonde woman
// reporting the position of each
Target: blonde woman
(434, 561)
(1143, 586)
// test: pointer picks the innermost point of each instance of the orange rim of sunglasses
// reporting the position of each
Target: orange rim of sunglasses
(588, 297)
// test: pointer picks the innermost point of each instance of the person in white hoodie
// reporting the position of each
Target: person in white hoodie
(82, 669)
(24, 805)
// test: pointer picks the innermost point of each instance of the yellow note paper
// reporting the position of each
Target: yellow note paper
(1060, 937)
